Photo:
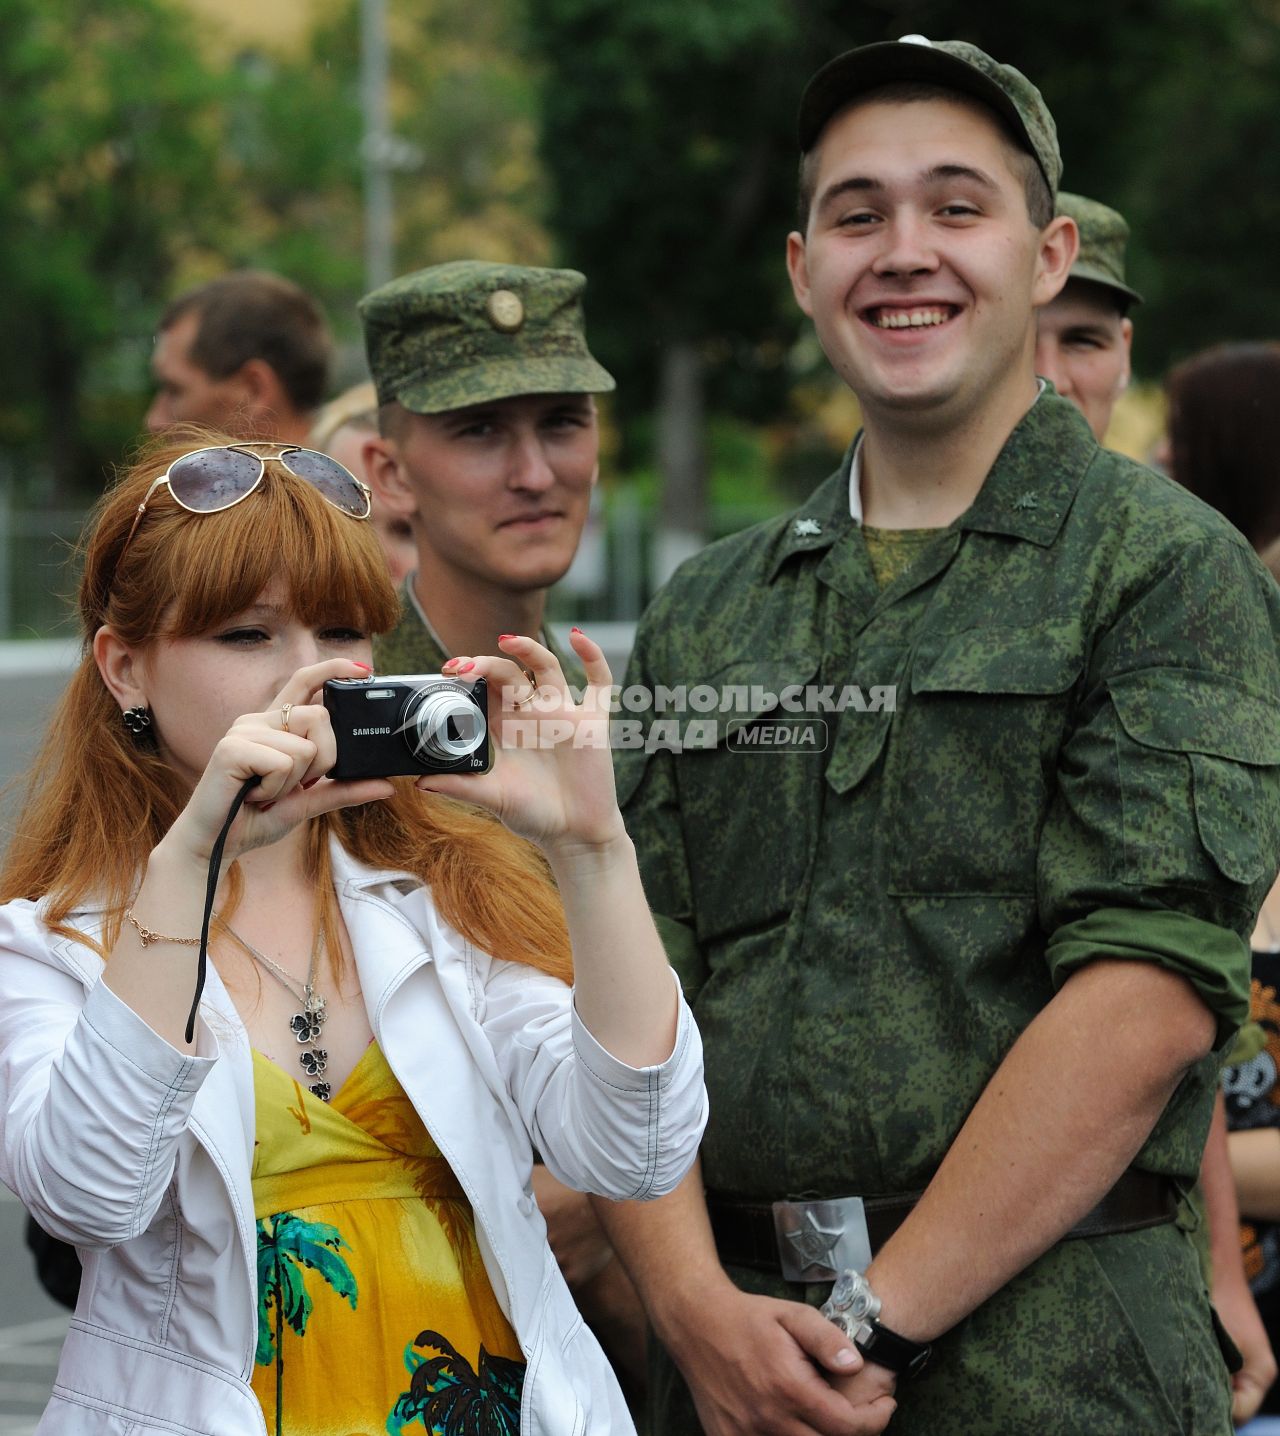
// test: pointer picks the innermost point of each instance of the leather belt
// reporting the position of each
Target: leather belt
(745, 1235)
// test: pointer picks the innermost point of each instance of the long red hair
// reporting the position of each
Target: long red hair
(98, 801)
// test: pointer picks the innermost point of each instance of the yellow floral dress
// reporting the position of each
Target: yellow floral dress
(375, 1312)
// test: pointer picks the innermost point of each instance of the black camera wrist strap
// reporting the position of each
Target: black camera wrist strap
(211, 889)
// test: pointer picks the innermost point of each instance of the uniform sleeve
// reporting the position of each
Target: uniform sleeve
(1164, 833)
(651, 810)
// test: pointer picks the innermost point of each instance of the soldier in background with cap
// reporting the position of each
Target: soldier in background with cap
(961, 975)
(1084, 334)
(489, 449)
(1083, 341)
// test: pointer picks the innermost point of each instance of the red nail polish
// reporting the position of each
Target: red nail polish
(267, 807)
(465, 667)
(449, 662)
(368, 667)
(502, 637)
(575, 630)
(310, 783)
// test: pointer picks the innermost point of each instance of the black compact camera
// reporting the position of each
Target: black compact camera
(388, 727)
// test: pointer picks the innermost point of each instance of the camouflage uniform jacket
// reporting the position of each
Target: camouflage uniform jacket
(411, 648)
(1083, 761)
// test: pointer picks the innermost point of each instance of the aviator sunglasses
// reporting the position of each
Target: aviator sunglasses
(206, 481)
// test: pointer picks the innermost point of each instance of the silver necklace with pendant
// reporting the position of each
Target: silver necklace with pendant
(307, 1025)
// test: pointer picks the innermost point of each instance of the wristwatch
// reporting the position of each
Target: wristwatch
(855, 1309)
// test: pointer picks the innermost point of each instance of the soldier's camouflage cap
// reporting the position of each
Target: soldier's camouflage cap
(1103, 236)
(471, 332)
(955, 64)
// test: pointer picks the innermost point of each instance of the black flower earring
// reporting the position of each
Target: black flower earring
(137, 719)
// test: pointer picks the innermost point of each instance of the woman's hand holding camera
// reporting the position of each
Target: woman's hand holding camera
(288, 747)
(552, 782)
(552, 778)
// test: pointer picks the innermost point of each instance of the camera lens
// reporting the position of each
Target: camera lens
(445, 726)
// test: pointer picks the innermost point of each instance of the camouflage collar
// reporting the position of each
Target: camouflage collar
(1035, 476)
(1026, 495)
(814, 527)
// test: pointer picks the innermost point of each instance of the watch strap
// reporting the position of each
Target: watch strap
(886, 1348)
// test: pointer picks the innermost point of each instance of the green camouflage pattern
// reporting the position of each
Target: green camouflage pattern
(472, 333)
(955, 64)
(411, 649)
(1103, 237)
(1083, 762)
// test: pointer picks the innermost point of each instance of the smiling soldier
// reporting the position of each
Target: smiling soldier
(963, 977)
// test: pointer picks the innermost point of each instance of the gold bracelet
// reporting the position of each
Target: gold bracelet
(148, 937)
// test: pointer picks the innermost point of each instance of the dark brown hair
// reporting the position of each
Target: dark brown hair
(1224, 434)
(251, 314)
(908, 92)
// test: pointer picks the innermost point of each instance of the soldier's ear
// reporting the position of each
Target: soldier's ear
(385, 471)
(798, 271)
(1059, 243)
(1126, 336)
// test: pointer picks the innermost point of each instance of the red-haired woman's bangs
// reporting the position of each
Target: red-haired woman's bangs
(216, 565)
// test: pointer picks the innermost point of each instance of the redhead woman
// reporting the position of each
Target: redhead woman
(309, 1210)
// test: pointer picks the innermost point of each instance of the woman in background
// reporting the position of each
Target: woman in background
(340, 431)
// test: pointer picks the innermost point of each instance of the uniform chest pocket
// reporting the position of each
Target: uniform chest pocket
(748, 802)
(972, 757)
(1190, 741)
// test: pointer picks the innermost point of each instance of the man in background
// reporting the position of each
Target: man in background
(489, 448)
(247, 353)
(1084, 336)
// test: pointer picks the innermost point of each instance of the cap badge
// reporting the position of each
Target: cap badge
(806, 528)
(505, 310)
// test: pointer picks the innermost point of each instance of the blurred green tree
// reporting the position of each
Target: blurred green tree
(111, 172)
(667, 133)
(1203, 195)
(463, 114)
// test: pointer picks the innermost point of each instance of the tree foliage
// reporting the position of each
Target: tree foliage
(111, 172)
(667, 137)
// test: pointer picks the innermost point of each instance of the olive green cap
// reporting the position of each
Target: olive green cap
(1103, 236)
(954, 64)
(471, 332)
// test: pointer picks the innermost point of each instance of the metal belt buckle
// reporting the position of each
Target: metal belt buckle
(818, 1240)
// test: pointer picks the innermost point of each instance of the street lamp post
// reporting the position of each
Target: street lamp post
(379, 216)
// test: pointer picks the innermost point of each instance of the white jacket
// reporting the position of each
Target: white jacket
(140, 1155)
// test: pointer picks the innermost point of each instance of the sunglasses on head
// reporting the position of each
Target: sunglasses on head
(206, 481)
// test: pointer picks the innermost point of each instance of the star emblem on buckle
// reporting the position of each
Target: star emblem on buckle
(814, 1244)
